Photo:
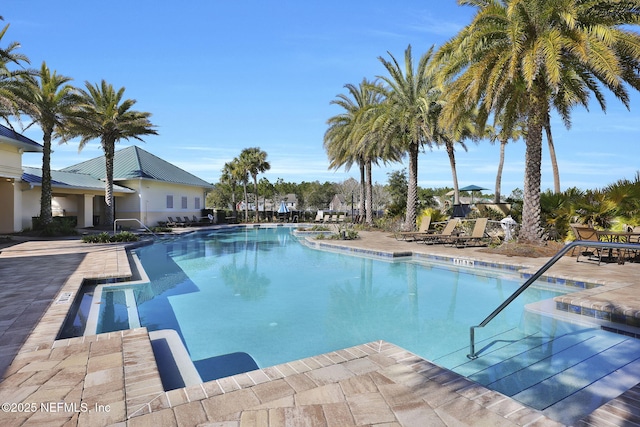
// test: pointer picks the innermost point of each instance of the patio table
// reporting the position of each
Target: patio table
(618, 237)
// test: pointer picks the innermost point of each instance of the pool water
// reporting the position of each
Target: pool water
(260, 291)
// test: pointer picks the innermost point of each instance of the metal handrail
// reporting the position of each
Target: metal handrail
(601, 245)
(132, 219)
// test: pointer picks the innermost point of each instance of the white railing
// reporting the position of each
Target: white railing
(132, 219)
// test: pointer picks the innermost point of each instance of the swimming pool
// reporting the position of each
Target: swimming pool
(262, 292)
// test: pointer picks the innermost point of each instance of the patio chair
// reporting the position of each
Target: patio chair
(185, 221)
(408, 236)
(588, 234)
(442, 237)
(196, 221)
(477, 234)
(172, 222)
(326, 219)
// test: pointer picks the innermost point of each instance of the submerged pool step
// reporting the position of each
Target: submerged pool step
(518, 370)
(580, 375)
(568, 375)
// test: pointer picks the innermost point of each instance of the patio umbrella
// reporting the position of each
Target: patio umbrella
(283, 208)
(472, 188)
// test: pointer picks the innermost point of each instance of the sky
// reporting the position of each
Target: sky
(220, 76)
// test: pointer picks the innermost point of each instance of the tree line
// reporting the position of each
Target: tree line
(64, 112)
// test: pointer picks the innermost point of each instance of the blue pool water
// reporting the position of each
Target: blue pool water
(246, 298)
(261, 292)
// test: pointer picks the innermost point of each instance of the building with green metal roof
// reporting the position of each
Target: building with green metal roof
(147, 188)
(160, 189)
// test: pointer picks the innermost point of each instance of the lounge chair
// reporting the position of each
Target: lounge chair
(587, 234)
(196, 221)
(174, 223)
(341, 218)
(187, 222)
(326, 219)
(477, 234)
(334, 219)
(408, 236)
(441, 237)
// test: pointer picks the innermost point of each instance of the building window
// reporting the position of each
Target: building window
(184, 202)
(197, 203)
(169, 202)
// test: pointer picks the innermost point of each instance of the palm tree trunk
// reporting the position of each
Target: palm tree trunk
(412, 190)
(234, 210)
(552, 154)
(255, 187)
(109, 152)
(496, 198)
(45, 194)
(246, 202)
(361, 203)
(454, 174)
(369, 195)
(531, 230)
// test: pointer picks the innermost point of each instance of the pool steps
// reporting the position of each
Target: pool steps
(565, 372)
(174, 364)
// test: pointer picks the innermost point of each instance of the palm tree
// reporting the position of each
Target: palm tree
(552, 155)
(340, 137)
(244, 165)
(498, 133)
(232, 175)
(256, 162)
(49, 102)
(351, 138)
(531, 56)
(464, 128)
(407, 118)
(104, 114)
(9, 77)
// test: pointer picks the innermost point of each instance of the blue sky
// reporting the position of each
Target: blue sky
(220, 76)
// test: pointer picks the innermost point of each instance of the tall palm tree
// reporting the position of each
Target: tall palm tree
(552, 155)
(244, 165)
(407, 119)
(351, 138)
(104, 114)
(547, 53)
(232, 175)
(256, 162)
(340, 136)
(462, 129)
(8, 77)
(49, 102)
(501, 134)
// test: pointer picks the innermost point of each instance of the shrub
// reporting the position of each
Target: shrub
(105, 237)
(161, 229)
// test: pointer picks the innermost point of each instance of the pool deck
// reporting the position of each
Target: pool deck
(112, 379)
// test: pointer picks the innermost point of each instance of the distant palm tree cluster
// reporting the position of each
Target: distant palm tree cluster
(64, 112)
(498, 78)
(249, 163)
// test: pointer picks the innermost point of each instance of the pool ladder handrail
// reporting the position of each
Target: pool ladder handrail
(132, 219)
(602, 245)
